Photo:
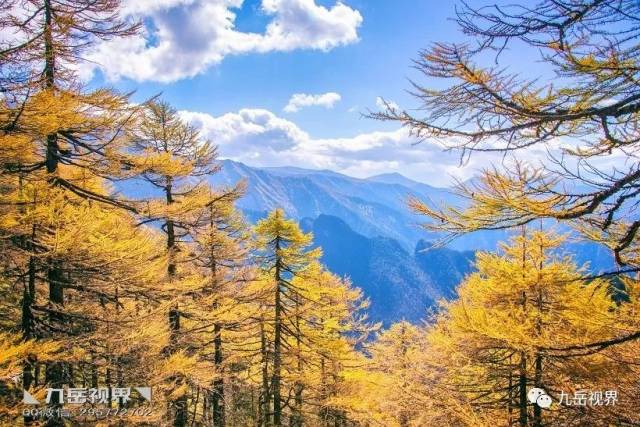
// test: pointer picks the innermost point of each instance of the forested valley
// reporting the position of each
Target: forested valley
(237, 324)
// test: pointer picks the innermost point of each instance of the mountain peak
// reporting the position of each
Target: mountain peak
(395, 178)
(390, 175)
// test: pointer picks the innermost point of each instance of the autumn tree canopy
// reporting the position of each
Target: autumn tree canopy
(583, 111)
(122, 265)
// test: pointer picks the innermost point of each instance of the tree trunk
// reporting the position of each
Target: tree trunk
(217, 403)
(298, 387)
(218, 384)
(56, 289)
(28, 328)
(324, 410)
(510, 403)
(51, 160)
(29, 293)
(54, 372)
(264, 417)
(171, 234)
(180, 404)
(537, 410)
(522, 388)
(277, 337)
(522, 379)
(108, 381)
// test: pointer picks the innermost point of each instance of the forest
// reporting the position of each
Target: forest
(230, 323)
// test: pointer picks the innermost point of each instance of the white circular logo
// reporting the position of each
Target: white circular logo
(544, 401)
(539, 397)
(534, 394)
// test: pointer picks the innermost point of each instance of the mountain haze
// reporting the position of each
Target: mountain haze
(375, 206)
(368, 233)
(399, 284)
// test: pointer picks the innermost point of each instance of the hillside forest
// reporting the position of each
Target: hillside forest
(238, 324)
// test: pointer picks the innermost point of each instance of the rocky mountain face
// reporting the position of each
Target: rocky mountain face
(366, 231)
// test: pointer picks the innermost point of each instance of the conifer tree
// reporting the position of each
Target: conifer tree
(285, 253)
(486, 349)
(581, 109)
(63, 131)
(220, 238)
(173, 155)
(310, 323)
(101, 249)
(329, 325)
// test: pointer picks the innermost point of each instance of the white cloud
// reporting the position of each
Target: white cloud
(383, 104)
(183, 38)
(258, 137)
(249, 133)
(301, 100)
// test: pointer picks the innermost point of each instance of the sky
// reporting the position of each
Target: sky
(286, 82)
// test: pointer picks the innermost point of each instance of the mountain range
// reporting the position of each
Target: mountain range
(369, 234)
(375, 206)
(399, 284)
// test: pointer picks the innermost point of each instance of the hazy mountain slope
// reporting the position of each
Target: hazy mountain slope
(389, 276)
(373, 207)
(368, 233)
(446, 267)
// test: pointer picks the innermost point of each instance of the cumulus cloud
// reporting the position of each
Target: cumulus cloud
(383, 104)
(301, 100)
(182, 38)
(259, 137)
(250, 134)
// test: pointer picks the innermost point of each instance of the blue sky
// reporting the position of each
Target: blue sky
(378, 64)
(232, 66)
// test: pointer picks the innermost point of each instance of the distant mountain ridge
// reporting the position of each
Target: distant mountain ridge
(369, 234)
(400, 285)
(375, 206)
